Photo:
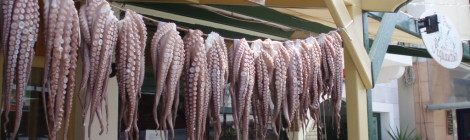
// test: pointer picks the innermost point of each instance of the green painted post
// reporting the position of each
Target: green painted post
(381, 42)
(365, 16)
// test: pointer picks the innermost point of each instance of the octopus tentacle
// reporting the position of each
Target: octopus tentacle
(294, 81)
(281, 60)
(338, 79)
(161, 58)
(196, 83)
(73, 62)
(242, 81)
(99, 25)
(264, 67)
(20, 39)
(175, 67)
(11, 57)
(217, 67)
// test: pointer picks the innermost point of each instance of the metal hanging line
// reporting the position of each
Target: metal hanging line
(225, 38)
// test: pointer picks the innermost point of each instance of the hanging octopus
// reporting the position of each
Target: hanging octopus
(336, 91)
(281, 61)
(264, 67)
(20, 23)
(242, 85)
(294, 82)
(217, 66)
(197, 88)
(130, 63)
(167, 58)
(307, 74)
(98, 26)
(62, 37)
(328, 66)
(317, 82)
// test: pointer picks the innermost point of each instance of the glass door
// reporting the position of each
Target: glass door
(376, 123)
(463, 124)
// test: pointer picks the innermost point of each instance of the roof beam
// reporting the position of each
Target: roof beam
(351, 41)
(383, 5)
(422, 52)
(269, 3)
(277, 17)
(203, 28)
(409, 25)
(204, 15)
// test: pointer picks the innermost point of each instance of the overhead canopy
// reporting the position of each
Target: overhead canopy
(252, 22)
(300, 23)
(323, 16)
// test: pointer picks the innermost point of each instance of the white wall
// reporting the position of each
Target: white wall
(406, 106)
(385, 102)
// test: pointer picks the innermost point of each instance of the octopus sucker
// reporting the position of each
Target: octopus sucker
(217, 66)
(197, 87)
(129, 57)
(20, 23)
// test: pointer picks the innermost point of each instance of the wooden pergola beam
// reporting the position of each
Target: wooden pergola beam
(383, 5)
(358, 66)
(351, 39)
(407, 24)
(269, 3)
(271, 15)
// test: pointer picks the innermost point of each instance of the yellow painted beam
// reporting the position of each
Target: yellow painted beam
(352, 38)
(269, 3)
(383, 5)
(295, 3)
(227, 2)
(163, 1)
(356, 101)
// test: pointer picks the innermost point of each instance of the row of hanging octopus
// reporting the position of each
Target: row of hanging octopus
(273, 80)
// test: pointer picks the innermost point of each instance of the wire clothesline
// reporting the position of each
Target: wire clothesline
(204, 34)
